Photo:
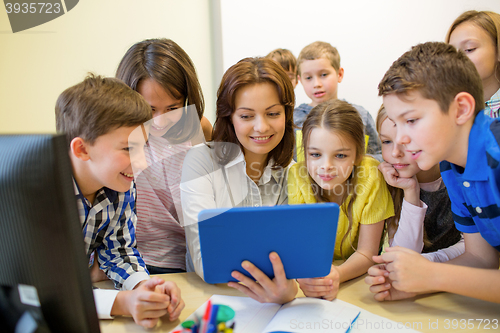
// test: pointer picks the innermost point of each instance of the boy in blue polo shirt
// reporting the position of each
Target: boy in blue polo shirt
(102, 119)
(433, 94)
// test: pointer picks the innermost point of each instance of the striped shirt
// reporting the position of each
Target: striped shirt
(160, 238)
(108, 227)
(492, 106)
(474, 191)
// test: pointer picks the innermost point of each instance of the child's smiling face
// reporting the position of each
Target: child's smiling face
(394, 153)
(167, 110)
(330, 158)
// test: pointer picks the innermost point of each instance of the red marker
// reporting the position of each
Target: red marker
(206, 318)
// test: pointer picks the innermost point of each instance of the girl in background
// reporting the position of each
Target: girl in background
(477, 33)
(246, 165)
(336, 170)
(165, 76)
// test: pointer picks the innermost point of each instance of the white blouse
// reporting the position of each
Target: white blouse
(204, 186)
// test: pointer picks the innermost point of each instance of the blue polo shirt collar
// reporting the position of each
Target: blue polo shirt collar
(477, 167)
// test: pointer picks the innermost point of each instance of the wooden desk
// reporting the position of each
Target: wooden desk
(432, 313)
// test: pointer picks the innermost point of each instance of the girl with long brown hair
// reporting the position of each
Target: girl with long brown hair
(336, 170)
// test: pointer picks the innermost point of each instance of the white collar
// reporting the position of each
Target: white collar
(268, 170)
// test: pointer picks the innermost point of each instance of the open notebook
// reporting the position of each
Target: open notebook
(300, 315)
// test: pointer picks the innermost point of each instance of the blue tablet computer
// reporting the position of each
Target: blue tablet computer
(302, 235)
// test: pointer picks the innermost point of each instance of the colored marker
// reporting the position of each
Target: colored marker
(221, 327)
(212, 323)
(206, 318)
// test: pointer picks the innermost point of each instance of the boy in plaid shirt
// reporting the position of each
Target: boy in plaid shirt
(102, 118)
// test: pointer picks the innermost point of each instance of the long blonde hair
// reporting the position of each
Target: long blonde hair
(397, 194)
(343, 119)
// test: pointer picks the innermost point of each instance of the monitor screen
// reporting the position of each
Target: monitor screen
(44, 270)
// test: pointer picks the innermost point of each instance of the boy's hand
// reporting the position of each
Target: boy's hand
(381, 285)
(278, 290)
(176, 303)
(408, 270)
(144, 304)
(392, 178)
(326, 287)
(96, 274)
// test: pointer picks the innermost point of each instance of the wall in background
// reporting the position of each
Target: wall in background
(369, 34)
(36, 65)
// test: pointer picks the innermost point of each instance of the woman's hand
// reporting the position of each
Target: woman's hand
(278, 290)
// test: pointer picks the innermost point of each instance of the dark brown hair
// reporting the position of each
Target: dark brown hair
(97, 106)
(344, 120)
(169, 65)
(438, 71)
(247, 72)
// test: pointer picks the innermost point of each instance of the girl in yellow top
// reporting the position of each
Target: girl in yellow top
(336, 170)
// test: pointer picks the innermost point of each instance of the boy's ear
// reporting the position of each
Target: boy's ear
(299, 79)
(466, 106)
(78, 148)
(341, 74)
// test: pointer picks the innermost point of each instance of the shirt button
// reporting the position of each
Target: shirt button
(479, 210)
(169, 146)
(466, 184)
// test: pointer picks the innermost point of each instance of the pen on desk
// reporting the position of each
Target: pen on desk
(212, 322)
(206, 317)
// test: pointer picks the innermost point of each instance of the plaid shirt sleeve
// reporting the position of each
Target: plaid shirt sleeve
(118, 254)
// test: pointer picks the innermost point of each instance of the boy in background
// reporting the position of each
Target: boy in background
(319, 72)
(433, 94)
(287, 61)
(102, 119)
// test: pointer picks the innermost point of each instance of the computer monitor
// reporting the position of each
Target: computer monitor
(41, 244)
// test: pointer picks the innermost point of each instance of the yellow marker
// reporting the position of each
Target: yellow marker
(221, 327)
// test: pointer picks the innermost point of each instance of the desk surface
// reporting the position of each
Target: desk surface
(434, 313)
